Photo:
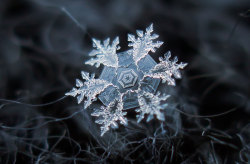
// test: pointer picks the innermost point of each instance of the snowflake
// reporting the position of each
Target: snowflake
(128, 80)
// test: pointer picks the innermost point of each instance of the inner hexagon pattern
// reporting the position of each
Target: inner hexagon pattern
(134, 74)
(127, 78)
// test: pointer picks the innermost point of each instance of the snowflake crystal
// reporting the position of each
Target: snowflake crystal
(128, 80)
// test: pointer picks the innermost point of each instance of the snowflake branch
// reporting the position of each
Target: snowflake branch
(151, 104)
(167, 69)
(89, 89)
(108, 116)
(144, 43)
(105, 54)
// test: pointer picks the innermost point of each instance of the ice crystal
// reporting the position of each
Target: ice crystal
(151, 104)
(108, 116)
(143, 44)
(129, 80)
(105, 54)
(89, 89)
(166, 69)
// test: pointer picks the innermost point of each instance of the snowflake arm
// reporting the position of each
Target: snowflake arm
(108, 116)
(151, 104)
(144, 43)
(167, 70)
(105, 53)
(89, 89)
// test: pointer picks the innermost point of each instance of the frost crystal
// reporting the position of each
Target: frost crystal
(151, 104)
(129, 80)
(166, 69)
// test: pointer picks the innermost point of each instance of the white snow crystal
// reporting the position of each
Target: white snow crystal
(143, 43)
(89, 89)
(151, 105)
(166, 69)
(108, 116)
(105, 54)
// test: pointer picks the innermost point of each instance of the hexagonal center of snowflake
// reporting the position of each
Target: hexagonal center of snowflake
(127, 78)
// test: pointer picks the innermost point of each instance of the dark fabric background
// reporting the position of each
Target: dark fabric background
(43, 50)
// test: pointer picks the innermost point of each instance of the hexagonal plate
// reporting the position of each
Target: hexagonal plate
(127, 78)
(126, 64)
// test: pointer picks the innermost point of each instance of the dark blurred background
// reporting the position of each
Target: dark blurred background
(43, 47)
